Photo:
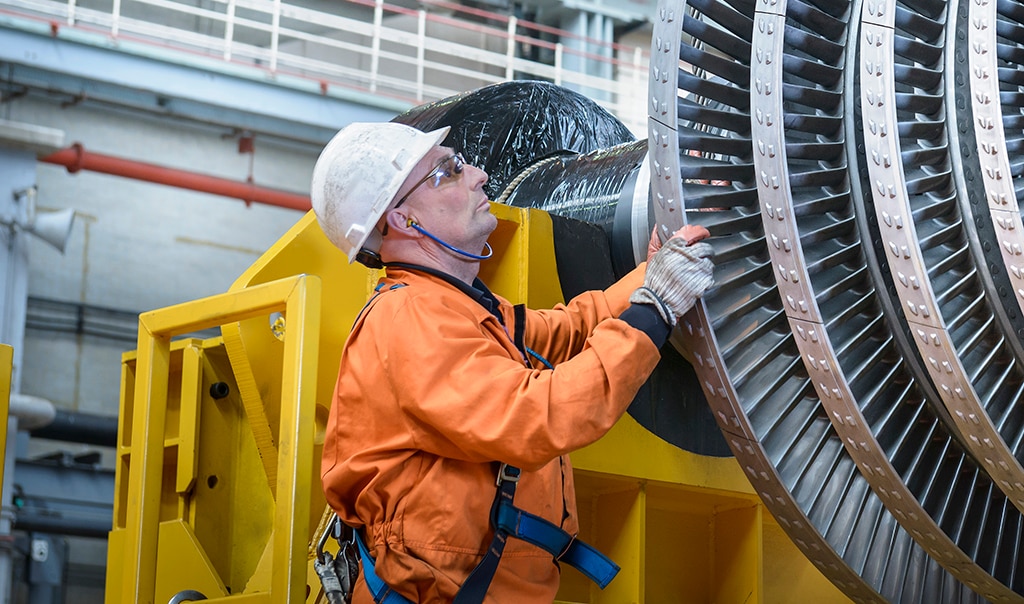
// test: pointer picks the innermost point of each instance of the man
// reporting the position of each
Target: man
(442, 382)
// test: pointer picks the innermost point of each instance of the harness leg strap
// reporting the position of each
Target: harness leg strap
(474, 588)
(560, 544)
(508, 521)
(381, 591)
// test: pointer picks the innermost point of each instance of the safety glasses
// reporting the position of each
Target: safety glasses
(448, 168)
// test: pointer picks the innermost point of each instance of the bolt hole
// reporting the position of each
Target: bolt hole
(211, 481)
(219, 390)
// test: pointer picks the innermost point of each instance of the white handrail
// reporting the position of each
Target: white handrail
(417, 55)
(510, 49)
(275, 34)
(116, 18)
(229, 30)
(421, 54)
(378, 18)
(558, 63)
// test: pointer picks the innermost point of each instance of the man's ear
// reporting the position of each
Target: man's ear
(399, 221)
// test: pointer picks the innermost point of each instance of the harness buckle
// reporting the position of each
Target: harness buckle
(568, 545)
(507, 473)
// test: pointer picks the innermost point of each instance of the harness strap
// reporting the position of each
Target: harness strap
(518, 338)
(476, 584)
(560, 544)
(508, 521)
(377, 291)
(381, 591)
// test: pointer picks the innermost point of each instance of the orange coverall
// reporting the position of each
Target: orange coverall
(432, 392)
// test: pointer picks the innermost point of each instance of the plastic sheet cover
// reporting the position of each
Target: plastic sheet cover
(505, 127)
(587, 187)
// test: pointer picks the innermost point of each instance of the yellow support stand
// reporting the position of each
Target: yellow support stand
(155, 536)
(6, 374)
(218, 485)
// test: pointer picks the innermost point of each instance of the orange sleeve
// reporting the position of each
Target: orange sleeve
(466, 397)
(560, 333)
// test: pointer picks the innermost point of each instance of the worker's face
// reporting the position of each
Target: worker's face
(446, 196)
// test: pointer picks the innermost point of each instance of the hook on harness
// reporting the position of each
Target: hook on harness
(337, 572)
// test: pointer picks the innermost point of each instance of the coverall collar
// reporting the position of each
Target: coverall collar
(477, 291)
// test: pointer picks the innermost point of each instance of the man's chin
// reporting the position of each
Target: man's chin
(494, 223)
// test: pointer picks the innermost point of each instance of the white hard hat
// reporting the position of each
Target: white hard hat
(357, 176)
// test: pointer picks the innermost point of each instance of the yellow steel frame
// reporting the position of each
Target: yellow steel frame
(6, 372)
(684, 527)
(298, 298)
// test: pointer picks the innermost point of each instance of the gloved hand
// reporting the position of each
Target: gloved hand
(676, 276)
(692, 233)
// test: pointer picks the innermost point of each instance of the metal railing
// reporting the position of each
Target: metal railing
(370, 46)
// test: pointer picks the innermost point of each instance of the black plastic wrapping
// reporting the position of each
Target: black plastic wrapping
(595, 187)
(505, 127)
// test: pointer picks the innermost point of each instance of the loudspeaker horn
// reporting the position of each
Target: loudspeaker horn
(52, 227)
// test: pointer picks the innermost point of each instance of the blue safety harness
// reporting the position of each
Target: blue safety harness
(506, 519)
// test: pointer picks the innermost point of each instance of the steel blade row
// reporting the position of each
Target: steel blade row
(859, 166)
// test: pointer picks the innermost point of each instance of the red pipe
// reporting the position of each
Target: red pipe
(76, 158)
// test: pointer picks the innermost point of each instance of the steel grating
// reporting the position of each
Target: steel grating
(859, 165)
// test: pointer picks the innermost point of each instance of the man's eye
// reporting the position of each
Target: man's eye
(450, 169)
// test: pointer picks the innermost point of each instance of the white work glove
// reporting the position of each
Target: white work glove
(676, 276)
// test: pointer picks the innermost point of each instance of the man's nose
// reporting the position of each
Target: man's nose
(477, 174)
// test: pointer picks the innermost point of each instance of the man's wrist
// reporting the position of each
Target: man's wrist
(647, 319)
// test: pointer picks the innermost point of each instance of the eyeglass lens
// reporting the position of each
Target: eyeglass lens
(451, 166)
